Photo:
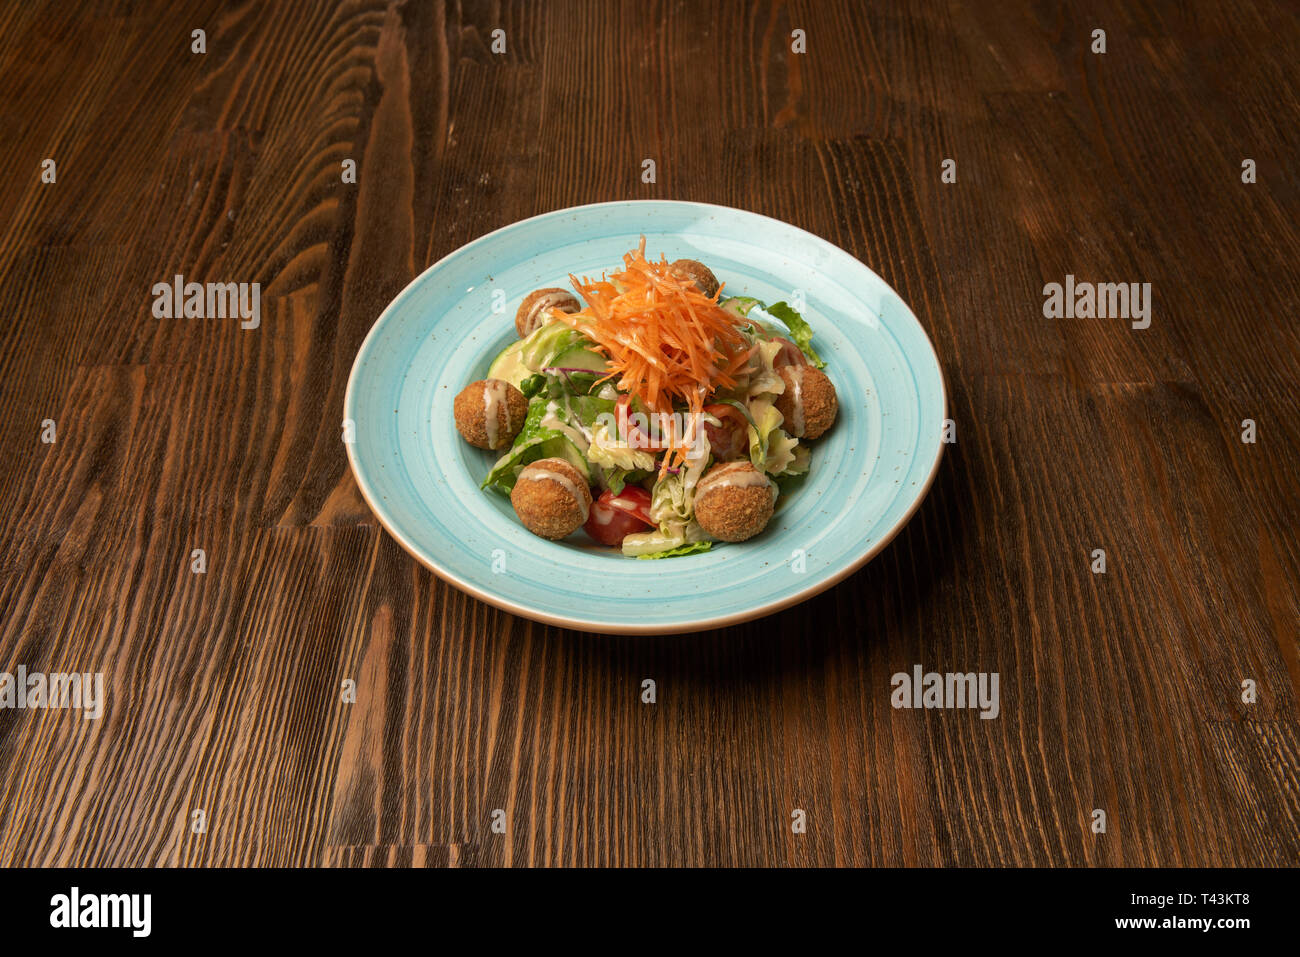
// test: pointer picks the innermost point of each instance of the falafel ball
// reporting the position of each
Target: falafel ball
(490, 413)
(808, 404)
(692, 270)
(734, 501)
(532, 314)
(551, 498)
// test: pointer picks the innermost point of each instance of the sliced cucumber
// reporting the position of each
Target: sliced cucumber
(509, 365)
(579, 357)
(552, 346)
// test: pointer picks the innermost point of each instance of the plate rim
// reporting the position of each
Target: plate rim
(595, 626)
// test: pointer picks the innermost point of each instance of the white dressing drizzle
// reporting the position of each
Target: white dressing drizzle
(737, 477)
(538, 474)
(494, 399)
(537, 315)
(579, 435)
(796, 402)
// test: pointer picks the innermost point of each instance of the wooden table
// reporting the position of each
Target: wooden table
(1121, 691)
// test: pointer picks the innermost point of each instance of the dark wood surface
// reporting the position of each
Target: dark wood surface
(1120, 691)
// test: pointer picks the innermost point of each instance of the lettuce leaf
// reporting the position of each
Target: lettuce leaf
(766, 379)
(618, 479)
(782, 453)
(610, 452)
(766, 419)
(532, 385)
(547, 344)
(800, 332)
(562, 382)
(801, 463)
(672, 505)
(690, 548)
(672, 499)
(535, 441)
(667, 536)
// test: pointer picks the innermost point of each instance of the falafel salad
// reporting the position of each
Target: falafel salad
(649, 410)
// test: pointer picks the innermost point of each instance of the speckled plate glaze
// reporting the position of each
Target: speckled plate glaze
(869, 473)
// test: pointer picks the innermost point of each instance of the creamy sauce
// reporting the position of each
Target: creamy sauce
(537, 475)
(796, 402)
(578, 435)
(735, 478)
(494, 401)
(537, 315)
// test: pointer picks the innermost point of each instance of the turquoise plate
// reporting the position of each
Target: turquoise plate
(869, 473)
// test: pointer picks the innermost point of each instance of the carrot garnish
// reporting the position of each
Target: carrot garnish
(667, 343)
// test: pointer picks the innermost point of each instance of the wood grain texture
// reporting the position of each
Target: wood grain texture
(1119, 691)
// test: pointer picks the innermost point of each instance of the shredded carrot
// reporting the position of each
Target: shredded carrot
(667, 343)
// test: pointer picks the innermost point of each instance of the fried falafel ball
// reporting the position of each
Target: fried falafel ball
(734, 501)
(551, 498)
(490, 413)
(808, 404)
(532, 314)
(692, 270)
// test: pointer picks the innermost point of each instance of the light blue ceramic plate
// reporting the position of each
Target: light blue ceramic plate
(869, 473)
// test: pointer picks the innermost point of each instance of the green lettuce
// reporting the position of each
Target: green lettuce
(800, 332)
(532, 385)
(535, 441)
(668, 536)
(765, 419)
(690, 548)
(672, 505)
(672, 500)
(548, 343)
(766, 379)
(618, 479)
(800, 464)
(610, 452)
(771, 448)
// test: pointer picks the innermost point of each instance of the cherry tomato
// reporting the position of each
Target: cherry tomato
(614, 516)
(730, 440)
(790, 355)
